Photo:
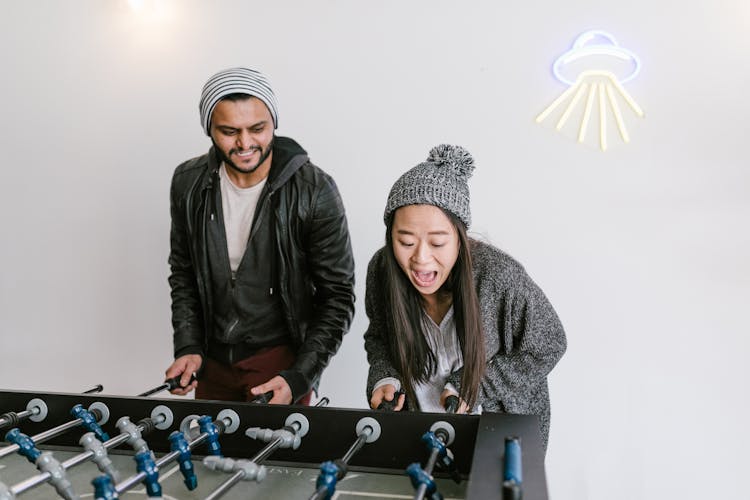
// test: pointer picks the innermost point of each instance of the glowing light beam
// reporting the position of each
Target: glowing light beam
(602, 87)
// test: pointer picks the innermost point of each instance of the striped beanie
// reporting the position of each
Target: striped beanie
(235, 81)
(441, 181)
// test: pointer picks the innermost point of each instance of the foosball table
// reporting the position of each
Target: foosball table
(64, 445)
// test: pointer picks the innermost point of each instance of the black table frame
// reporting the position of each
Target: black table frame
(478, 448)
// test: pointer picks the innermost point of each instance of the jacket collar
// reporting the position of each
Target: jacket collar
(288, 157)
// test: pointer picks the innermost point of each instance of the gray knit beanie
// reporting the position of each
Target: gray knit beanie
(440, 181)
(235, 81)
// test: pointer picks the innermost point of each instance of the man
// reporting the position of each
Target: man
(262, 272)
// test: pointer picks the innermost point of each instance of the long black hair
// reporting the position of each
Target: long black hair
(410, 352)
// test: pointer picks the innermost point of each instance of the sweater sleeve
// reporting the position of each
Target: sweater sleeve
(378, 355)
(524, 339)
(531, 342)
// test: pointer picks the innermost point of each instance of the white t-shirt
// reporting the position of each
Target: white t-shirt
(238, 206)
(443, 341)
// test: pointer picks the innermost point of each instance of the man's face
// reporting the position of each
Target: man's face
(242, 132)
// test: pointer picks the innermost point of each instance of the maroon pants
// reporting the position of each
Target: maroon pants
(233, 382)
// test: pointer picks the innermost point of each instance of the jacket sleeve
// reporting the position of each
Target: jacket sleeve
(525, 343)
(187, 317)
(330, 264)
(378, 355)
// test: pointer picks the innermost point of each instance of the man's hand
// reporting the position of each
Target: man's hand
(282, 393)
(184, 367)
(387, 392)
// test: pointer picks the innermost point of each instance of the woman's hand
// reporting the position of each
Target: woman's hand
(386, 393)
(462, 406)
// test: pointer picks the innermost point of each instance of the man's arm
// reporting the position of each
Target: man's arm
(330, 265)
(187, 320)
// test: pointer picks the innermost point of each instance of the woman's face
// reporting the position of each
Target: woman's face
(425, 244)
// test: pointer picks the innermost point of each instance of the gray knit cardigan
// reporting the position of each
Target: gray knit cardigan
(524, 338)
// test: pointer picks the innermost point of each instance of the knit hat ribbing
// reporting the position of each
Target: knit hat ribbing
(235, 81)
(441, 180)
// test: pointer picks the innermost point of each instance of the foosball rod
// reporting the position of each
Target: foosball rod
(97, 410)
(36, 411)
(273, 445)
(227, 421)
(168, 385)
(368, 431)
(419, 495)
(264, 453)
(161, 418)
(443, 432)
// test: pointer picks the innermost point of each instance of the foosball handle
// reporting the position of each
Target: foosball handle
(262, 398)
(386, 405)
(167, 385)
(89, 422)
(145, 464)
(179, 444)
(174, 382)
(451, 404)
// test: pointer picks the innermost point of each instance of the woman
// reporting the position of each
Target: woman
(450, 315)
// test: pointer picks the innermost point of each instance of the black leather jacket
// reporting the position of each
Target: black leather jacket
(314, 258)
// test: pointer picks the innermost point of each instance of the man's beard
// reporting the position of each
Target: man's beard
(263, 156)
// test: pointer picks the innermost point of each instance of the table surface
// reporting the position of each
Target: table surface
(281, 482)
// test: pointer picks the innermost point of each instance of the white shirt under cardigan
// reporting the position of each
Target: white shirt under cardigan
(443, 341)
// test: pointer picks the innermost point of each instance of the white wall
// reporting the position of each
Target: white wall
(643, 249)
